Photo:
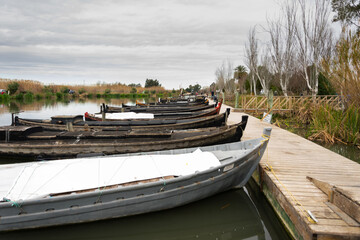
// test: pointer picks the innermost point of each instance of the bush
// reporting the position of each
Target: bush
(48, 95)
(38, 97)
(29, 96)
(107, 91)
(59, 95)
(65, 89)
(20, 97)
(133, 90)
(13, 87)
(82, 90)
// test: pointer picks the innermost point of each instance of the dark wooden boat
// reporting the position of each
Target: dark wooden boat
(112, 116)
(170, 103)
(63, 123)
(43, 194)
(156, 109)
(33, 141)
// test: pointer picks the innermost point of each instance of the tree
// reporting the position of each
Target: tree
(282, 45)
(240, 75)
(314, 38)
(13, 87)
(224, 75)
(347, 11)
(152, 83)
(195, 88)
(343, 69)
(251, 57)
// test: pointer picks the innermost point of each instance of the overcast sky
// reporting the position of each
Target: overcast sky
(178, 42)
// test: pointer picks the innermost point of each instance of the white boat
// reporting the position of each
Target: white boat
(44, 194)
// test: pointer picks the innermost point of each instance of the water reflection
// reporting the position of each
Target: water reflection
(230, 215)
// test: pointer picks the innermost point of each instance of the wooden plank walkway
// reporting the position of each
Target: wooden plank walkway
(301, 169)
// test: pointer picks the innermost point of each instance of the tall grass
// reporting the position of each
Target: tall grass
(331, 125)
(102, 88)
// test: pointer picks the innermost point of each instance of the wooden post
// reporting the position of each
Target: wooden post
(237, 99)
(69, 126)
(103, 116)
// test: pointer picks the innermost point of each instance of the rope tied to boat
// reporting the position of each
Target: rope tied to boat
(307, 213)
(13, 203)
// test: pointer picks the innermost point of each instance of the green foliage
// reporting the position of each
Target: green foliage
(347, 11)
(59, 95)
(133, 90)
(4, 98)
(38, 96)
(48, 89)
(20, 97)
(152, 83)
(29, 96)
(134, 85)
(82, 90)
(195, 88)
(13, 87)
(107, 91)
(325, 87)
(65, 89)
(98, 95)
(153, 91)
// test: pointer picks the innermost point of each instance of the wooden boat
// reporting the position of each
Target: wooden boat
(170, 103)
(70, 123)
(118, 116)
(33, 142)
(156, 109)
(55, 193)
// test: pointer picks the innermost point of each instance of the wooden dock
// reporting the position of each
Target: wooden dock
(297, 176)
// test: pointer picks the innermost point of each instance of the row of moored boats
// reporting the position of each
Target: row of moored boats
(124, 160)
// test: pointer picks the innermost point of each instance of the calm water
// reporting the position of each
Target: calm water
(237, 214)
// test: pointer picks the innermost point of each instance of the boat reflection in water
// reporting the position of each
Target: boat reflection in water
(230, 215)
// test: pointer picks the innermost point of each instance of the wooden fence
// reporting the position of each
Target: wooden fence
(283, 104)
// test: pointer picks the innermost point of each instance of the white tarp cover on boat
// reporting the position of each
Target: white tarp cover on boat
(39, 179)
(127, 115)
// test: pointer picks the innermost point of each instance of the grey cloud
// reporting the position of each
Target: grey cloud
(180, 40)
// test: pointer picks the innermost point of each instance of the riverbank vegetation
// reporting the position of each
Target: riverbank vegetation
(303, 57)
(29, 90)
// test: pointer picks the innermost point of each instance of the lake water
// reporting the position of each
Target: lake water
(236, 214)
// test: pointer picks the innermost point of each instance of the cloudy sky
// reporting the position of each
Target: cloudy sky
(178, 42)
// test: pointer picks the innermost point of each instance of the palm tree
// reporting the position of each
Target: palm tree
(240, 75)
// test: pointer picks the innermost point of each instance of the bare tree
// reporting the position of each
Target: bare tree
(263, 74)
(282, 43)
(224, 74)
(313, 34)
(251, 57)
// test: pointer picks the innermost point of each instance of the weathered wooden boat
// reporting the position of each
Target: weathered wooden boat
(170, 103)
(73, 191)
(70, 123)
(32, 142)
(156, 109)
(119, 116)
